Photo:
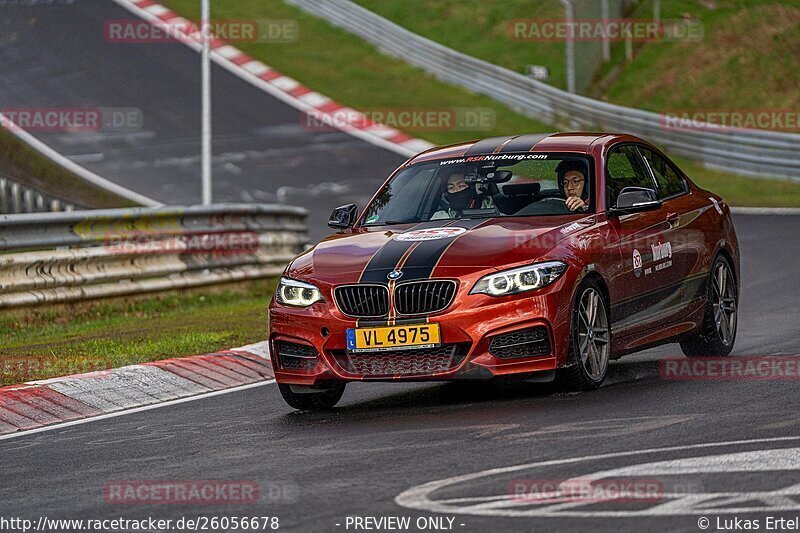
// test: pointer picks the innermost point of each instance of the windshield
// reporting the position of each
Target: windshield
(502, 185)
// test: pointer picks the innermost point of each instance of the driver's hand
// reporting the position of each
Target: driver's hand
(574, 203)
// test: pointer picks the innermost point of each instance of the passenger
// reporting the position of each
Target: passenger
(461, 195)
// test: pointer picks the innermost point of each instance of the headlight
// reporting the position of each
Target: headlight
(527, 278)
(297, 293)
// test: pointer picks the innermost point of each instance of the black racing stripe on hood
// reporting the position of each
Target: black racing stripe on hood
(423, 258)
(524, 143)
(387, 257)
(487, 146)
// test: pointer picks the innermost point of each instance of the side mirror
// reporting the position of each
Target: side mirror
(343, 216)
(635, 200)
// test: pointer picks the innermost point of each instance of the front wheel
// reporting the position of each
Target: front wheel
(590, 340)
(311, 400)
(717, 334)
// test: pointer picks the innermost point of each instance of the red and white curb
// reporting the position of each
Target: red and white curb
(278, 85)
(37, 404)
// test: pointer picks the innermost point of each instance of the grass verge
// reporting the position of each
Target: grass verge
(746, 57)
(43, 342)
(482, 29)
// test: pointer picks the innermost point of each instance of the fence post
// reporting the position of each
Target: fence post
(604, 14)
(27, 201)
(569, 15)
(3, 195)
(629, 48)
(16, 203)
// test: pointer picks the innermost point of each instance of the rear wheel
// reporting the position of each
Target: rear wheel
(590, 340)
(311, 400)
(718, 331)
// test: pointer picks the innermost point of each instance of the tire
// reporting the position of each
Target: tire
(312, 401)
(589, 340)
(717, 335)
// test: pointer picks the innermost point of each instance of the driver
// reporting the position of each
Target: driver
(572, 182)
(461, 195)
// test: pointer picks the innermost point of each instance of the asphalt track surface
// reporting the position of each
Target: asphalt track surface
(384, 439)
(54, 54)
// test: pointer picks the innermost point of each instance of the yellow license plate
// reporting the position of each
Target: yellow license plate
(393, 338)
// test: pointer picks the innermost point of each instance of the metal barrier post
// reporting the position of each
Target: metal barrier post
(3, 195)
(16, 201)
(569, 16)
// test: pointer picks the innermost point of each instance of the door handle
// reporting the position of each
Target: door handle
(673, 218)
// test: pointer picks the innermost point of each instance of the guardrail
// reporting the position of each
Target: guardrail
(750, 152)
(60, 257)
(18, 198)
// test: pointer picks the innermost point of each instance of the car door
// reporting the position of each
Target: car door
(689, 243)
(645, 284)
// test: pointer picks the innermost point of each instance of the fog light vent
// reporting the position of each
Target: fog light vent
(531, 342)
(293, 356)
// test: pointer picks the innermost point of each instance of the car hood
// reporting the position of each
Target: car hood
(443, 248)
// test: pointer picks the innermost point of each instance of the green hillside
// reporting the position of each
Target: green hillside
(354, 73)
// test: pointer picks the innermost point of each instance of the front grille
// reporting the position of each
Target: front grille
(363, 301)
(529, 342)
(293, 356)
(406, 363)
(423, 297)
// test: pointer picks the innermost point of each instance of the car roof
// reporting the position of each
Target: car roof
(578, 142)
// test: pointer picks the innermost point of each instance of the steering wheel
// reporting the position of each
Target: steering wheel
(556, 199)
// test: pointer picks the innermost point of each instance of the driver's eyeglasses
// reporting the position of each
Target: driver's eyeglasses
(574, 181)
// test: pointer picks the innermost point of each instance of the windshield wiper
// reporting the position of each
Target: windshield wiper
(479, 217)
(392, 223)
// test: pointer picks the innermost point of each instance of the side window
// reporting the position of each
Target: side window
(669, 182)
(625, 168)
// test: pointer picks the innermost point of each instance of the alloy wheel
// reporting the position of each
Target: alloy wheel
(724, 303)
(593, 335)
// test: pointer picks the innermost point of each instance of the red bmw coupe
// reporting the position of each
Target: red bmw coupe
(525, 255)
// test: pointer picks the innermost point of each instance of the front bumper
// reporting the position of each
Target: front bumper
(469, 326)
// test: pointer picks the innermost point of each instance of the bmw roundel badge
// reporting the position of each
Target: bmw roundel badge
(394, 274)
